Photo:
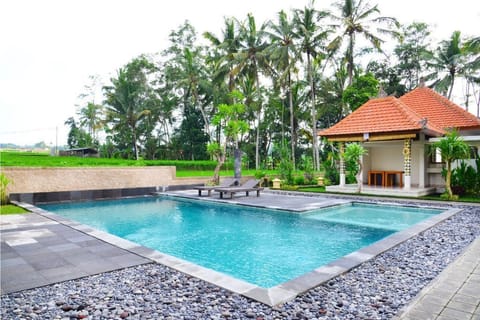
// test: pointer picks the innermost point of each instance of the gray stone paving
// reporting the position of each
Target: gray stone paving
(37, 251)
(454, 294)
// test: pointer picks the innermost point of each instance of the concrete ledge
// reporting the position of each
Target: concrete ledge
(83, 195)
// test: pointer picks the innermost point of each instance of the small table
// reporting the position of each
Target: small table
(390, 177)
(376, 175)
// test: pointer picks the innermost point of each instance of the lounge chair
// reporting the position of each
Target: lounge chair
(249, 185)
(227, 182)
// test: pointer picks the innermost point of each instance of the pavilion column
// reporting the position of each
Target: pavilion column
(407, 163)
(342, 164)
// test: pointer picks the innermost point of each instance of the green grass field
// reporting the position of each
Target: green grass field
(32, 159)
(44, 160)
(11, 209)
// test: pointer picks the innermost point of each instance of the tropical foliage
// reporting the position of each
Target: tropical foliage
(4, 181)
(354, 153)
(300, 72)
(451, 148)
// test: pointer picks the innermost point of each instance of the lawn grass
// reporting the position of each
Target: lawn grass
(11, 209)
(465, 198)
(44, 160)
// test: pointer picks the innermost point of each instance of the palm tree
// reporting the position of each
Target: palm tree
(451, 147)
(448, 59)
(312, 38)
(228, 47)
(251, 59)
(471, 51)
(191, 75)
(283, 53)
(356, 17)
(91, 117)
(129, 99)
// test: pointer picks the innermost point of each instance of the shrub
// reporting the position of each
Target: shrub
(308, 168)
(299, 180)
(4, 181)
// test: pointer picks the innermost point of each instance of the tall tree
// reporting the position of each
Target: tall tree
(91, 116)
(362, 89)
(357, 18)
(282, 54)
(412, 53)
(472, 72)
(228, 117)
(77, 137)
(449, 62)
(252, 59)
(130, 98)
(312, 38)
(227, 47)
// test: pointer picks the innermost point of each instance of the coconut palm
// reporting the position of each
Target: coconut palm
(471, 51)
(451, 147)
(91, 117)
(356, 18)
(312, 39)
(129, 100)
(227, 47)
(283, 53)
(449, 63)
(251, 59)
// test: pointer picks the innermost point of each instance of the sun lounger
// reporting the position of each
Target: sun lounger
(226, 182)
(249, 185)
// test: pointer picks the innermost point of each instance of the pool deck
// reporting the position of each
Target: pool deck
(41, 248)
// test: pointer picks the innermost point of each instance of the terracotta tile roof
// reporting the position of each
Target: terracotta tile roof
(439, 110)
(406, 114)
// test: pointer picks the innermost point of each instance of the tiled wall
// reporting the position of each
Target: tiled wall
(64, 196)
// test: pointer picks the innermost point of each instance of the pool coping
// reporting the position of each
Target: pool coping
(270, 296)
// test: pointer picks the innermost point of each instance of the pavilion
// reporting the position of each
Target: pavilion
(396, 133)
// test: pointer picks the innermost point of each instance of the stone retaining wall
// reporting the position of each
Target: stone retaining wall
(34, 180)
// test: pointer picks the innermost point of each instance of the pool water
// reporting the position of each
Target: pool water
(263, 247)
(393, 218)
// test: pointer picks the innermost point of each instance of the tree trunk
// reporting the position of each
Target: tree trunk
(237, 163)
(448, 180)
(292, 121)
(259, 113)
(316, 160)
(450, 90)
(351, 41)
(134, 141)
(359, 176)
(216, 172)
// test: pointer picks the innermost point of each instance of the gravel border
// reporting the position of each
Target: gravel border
(377, 289)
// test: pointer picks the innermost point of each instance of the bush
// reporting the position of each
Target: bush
(4, 181)
(299, 180)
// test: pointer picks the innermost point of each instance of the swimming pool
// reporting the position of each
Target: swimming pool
(262, 247)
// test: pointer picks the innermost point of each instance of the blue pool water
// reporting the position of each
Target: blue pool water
(263, 247)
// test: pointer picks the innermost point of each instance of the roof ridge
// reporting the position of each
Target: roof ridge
(443, 100)
(407, 112)
(416, 118)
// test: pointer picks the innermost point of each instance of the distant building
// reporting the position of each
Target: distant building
(80, 152)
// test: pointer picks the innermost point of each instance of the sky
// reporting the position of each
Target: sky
(50, 48)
